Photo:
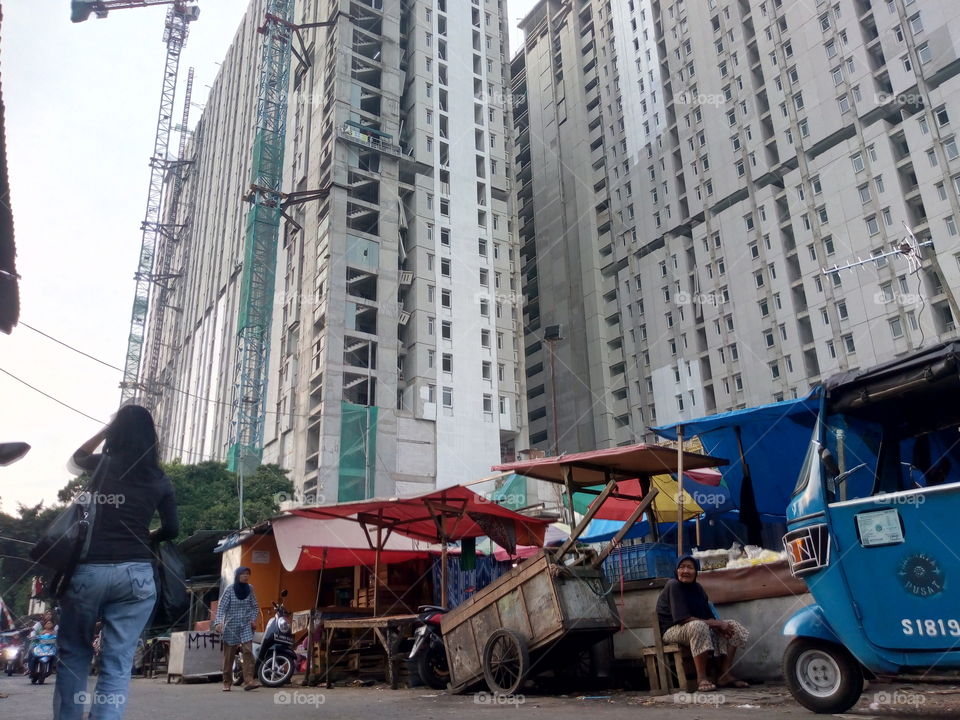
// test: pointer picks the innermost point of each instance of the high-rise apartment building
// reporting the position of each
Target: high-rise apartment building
(396, 362)
(734, 150)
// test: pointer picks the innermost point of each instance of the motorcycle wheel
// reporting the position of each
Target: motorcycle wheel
(432, 666)
(237, 672)
(276, 670)
(822, 676)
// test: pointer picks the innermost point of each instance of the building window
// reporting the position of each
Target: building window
(950, 145)
(446, 330)
(896, 328)
(487, 403)
(447, 397)
(486, 368)
(848, 344)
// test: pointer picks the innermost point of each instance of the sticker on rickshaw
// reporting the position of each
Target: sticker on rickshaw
(881, 527)
(921, 575)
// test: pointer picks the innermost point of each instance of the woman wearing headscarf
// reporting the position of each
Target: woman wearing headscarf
(236, 618)
(115, 582)
(686, 618)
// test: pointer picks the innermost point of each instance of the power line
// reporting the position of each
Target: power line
(61, 342)
(47, 395)
(184, 451)
(168, 387)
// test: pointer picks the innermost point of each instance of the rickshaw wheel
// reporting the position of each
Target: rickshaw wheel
(822, 676)
(506, 661)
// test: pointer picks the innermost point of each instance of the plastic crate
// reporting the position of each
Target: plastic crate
(640, 562)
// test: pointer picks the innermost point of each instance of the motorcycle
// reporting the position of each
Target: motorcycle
(428, 649)
(274, 658)
(43, 653)
(12, 658)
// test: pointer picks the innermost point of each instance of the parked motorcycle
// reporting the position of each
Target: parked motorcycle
(273, 654)
(42, 654)
(428, 648)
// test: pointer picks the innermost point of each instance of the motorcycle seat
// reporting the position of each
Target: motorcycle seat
(435, 608)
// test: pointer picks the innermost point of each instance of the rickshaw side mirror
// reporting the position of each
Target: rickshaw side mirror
(829, 462)
(283, 593)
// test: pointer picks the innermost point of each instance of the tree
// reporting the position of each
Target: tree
(208, 495)
(207, 499)
(19, 533)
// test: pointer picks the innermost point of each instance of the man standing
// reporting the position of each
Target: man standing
(236, 618)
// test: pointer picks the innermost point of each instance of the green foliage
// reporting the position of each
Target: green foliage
(208, 495)
(207, 499)
(18, 533)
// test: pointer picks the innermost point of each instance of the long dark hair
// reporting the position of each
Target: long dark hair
(132, 438)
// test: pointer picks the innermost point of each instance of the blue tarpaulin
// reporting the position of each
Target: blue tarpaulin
(774, 439)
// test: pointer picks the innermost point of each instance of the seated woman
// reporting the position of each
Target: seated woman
(686, 618)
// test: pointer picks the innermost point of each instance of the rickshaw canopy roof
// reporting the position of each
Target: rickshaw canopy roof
(594, 467)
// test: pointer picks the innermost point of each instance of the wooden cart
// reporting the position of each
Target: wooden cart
(538, 616)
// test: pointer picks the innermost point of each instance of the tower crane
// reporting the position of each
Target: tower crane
(179, 16)
(267, 205)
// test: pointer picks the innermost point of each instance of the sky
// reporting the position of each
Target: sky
(81, 109)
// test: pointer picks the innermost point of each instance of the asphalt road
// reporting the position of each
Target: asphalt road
(153, 699)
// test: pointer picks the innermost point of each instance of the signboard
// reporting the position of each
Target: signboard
(195, 654)
(261, 557)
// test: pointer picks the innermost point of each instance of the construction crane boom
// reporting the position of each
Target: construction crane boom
(260, 249)
(176, 28)
(81, 10)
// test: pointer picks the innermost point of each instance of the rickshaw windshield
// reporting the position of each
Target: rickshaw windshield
(876, 458)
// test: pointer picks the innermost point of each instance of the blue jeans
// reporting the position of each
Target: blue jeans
(123, 596)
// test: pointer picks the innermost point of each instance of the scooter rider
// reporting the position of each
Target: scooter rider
(47, 636)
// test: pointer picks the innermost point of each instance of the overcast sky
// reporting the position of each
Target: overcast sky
(81, 107)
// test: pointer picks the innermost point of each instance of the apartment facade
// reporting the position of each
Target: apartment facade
(396, 360)
(744, 148)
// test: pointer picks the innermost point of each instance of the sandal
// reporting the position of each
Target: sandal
(705, 686)
(226, 688)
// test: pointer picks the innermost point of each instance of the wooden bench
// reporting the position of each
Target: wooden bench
(667, 664)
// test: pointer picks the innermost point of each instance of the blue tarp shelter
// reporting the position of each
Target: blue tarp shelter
(765, 445)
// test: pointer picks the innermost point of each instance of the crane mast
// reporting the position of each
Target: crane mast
(176, 28)
(169, 233)
(260, 249)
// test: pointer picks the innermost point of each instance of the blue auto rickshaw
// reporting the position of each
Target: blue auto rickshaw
(874, 530)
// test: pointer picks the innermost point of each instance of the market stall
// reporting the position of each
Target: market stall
(440, 517)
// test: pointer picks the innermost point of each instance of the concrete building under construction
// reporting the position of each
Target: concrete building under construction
(396, 357)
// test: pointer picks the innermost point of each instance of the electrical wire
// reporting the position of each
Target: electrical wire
(51, 397)
(61, 342)
(180, 450)
(168, 387)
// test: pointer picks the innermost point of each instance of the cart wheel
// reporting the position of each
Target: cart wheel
(822, 676)
(506, 661)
